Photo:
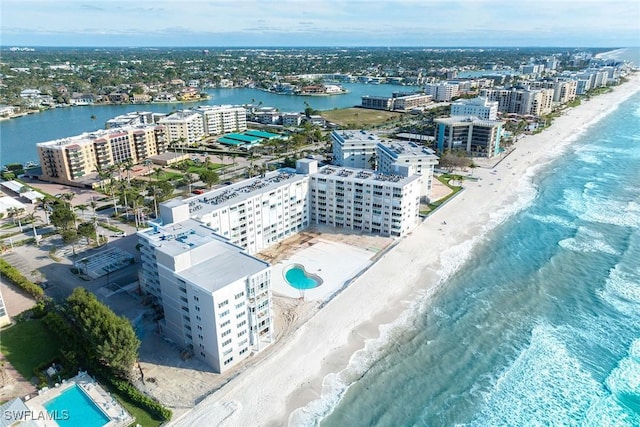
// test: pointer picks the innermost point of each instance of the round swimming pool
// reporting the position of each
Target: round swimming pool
(297, 277)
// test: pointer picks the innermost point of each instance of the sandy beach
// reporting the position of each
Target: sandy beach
(293, 375)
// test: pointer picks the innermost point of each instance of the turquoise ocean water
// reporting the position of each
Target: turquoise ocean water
(540, 327)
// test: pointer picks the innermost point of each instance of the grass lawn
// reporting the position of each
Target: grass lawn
(166, 176)
(359, 117)
(28, 344)
(197, 169)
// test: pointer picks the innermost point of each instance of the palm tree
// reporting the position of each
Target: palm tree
(32, 218)
(44, 204)
(189, 180)
(16, 213)
(81, 208)
(148, 163)
(68, 197)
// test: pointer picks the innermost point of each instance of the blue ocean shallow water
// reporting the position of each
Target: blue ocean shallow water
(541, 325)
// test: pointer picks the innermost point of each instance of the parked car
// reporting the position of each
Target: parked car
(198, 191)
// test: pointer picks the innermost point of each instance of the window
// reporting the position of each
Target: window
(224, 313)
(225, 333)
(229, 360)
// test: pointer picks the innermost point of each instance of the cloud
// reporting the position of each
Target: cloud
(404, 22)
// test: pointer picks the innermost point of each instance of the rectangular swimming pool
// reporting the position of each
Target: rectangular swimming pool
(80, 410)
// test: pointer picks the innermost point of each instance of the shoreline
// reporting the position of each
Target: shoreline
(304, 374)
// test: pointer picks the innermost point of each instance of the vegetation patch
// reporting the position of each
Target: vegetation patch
(15, 277)
(27, 345)
(360, 117)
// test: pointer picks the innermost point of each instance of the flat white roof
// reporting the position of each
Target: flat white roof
(240, 191)
(217, 262)
(363, 175)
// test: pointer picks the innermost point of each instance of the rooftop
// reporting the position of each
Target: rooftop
(91, 137)
(240, 191)
(363, 175)
(406, 149)
(215, 262)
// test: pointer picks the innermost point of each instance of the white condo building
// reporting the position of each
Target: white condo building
(185, 125)
(216, 298)
(219, 119)
(354, 148)
(198, 266)
(255, 213)
(365, 150)
(442, 92)
(476, 107)
(394, 154)
(364, 200)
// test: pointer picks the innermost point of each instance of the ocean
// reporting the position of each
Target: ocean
(541, 324)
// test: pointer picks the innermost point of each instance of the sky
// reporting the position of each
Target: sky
(226, 23)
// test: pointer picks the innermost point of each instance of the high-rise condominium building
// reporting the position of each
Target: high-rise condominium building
(184, 126)
(219, 119)
(479, 138)
(216, 298)
(72, 160)
(366, 150)
(479, 107)
(197, 265)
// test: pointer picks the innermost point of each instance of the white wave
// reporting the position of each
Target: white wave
(607, 412)
(545, 385)
(622, 291)
(591, 246)
(552, 219)
(624, 384)
(588, 157)
(596, 208)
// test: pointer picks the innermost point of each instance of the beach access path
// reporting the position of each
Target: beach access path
(292, 377)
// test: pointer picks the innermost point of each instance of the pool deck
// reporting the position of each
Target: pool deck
(104, 401)
(336, 263)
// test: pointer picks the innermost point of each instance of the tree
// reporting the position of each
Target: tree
(70, 237)
(209, 177)
(188, 179)
(110, 340)
(16, 213)
(33, 218)
(87, 230)
(62, 216)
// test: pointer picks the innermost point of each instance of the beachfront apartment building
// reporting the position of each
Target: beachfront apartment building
(363, 200)
(219, 119)
(216, 298)
(353, 148)
(255, 213)
(196, 261)
(75, 160)
(186, 126)
(479, 107)
(521, 101)
(479, 138)
(366, 150)
(392, 154)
